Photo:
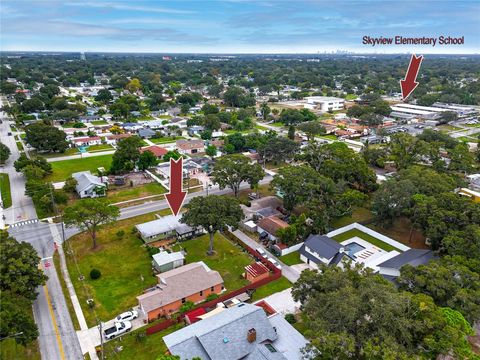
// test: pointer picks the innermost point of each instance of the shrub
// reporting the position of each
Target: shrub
(290, 318)
(95, 274)
(120, 234)
(211, 297)
(152, 250)
(187, 306)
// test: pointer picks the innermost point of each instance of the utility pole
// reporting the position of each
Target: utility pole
(101, 338)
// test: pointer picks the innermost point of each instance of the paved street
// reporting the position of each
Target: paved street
(22, 206)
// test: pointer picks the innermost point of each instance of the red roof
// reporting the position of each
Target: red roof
(86, 139)
(266, 307)
(193, 316)
(256, 269)
(156, 150)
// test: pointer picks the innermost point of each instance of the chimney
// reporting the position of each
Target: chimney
(252, 335)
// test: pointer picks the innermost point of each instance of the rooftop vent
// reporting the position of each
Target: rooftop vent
(251, 335)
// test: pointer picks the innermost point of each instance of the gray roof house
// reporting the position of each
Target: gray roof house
(165, 261)
(165, 227)
(319, 249)
(89, 185)
(146, 133)
(240, 332)
(414, 257)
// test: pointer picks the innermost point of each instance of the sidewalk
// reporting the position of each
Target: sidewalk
(287, 271)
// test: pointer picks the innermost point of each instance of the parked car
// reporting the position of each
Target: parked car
(262, 252)
(253, 196)
(118, 328)
(275, 263)
(127, 316)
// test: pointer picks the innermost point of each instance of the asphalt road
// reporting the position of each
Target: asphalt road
(22, 206)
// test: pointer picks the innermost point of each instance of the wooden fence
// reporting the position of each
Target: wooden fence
(276, 274)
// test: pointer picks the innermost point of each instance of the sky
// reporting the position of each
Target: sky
(234, 26)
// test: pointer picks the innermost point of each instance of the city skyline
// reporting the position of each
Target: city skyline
(265, 27)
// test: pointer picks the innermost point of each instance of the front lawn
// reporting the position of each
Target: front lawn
(364, 236)
(148, 348)
(5, 189)
(271, 288)
(351, 97)
(229, 259)
(130, 193)
(291, 259)
(63, 169)
(99, 122)
(165, 139)
(9, 349)
(124, 264)
(101, 147)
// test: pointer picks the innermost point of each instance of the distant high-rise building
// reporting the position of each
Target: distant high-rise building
(82, 56)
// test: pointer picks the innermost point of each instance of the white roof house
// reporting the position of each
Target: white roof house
(165, 226)
(164, 261)
(89, 185)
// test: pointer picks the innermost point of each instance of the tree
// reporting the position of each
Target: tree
(104, 96)
(70, 185)
(39, 161)
(232, 170)
(46, 138)
(172, 154)
(278, 149)
(352, 313)
(265, 111)
(448, 116)
(406, 150)
(147, 160)
(461, 158)
(126, 155)
(211, 151)
(392, 199)
(222, 212)
(19, 272)
(133, 85)
(450, 281)
(210, 109)
(89, 214)
(312, 129)
(237, 140)
(4, 153)
(288, 235)
(15, 317)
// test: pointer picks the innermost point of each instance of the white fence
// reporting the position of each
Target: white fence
(371, 232)
(289, 249)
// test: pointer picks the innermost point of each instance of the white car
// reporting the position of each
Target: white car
(127, 316)
(262, 252)
(275, 263)
(118, 328)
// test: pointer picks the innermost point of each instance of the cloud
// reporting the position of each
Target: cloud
(123, 6)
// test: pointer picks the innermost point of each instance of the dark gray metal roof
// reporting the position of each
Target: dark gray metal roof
(413, 257)
(323, 245)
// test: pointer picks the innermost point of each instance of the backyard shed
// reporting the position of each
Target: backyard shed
(164, 261)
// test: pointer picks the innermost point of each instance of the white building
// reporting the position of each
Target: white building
(324, 103)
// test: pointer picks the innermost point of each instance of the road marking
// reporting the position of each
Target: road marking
(46, 258)
(57, 333)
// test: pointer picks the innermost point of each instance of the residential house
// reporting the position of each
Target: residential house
(243, 331)
(146, 133)
(158, 151)
(192, 282)
(190, 147)
(474, 181)
(164, 228)
(86, 141)
(413, 257)
(165, 261)
(132, 127)
(472, 194)
(270, 225)
(195, 130)
(89, 185)
(88, 118)
(115, 138)
(218, 143)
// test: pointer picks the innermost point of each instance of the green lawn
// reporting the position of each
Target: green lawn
(136, 192)
(291, 259)
(328, 137)
(151, 347)
(124, 263)
(165, 139)
(10, 350)
(468, 139)
(271, 288)
(69, 151)
(99, 122)
(372, 240)
(276, 124)
(351, 97)
(19, 145)
(5, 189)
(101, 147)
(359, 214)
(260, 127)
(229, 259)
(63, 169)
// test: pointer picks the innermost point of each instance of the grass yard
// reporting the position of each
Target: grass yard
(102, 147)
(99, 122)
(5, 189)
(150, 347)
(229, 259)
(63, 169)
(125, 194)
(68, 152)
(351, 97)
(260, 127)
(263, 190)
(9, 349)
(359, 214)
(372, 240)
(165, 139)
(124, 263)
(276, 124)
(328, 137)
(271, 288)
(468, 139)
(447, 127)
(291, 259)
(19, 145)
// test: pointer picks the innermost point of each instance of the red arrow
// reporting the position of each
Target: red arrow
(176, 196)
(409, 84)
